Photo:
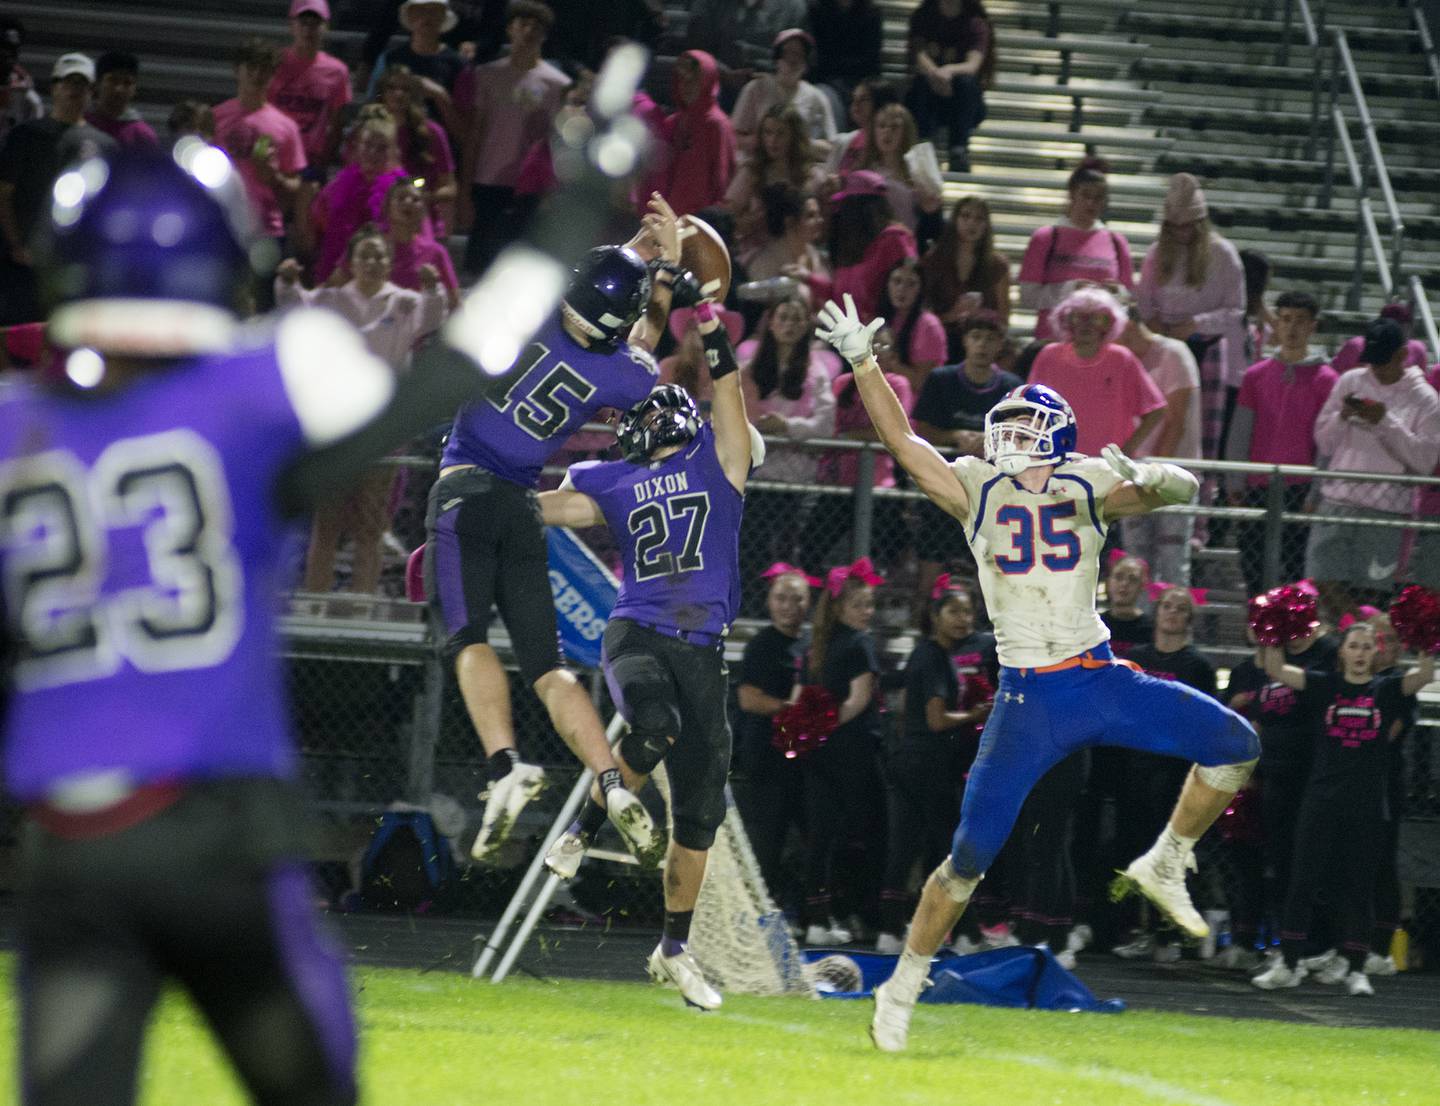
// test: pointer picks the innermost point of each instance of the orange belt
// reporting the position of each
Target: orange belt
(1084, 660)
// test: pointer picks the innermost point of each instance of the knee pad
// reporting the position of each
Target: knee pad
(695, 833)
(1226, 777)
(653, 723)
(959, 888)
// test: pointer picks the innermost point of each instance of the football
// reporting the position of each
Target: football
(703, 252)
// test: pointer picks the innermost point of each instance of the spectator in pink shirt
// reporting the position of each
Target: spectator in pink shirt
(965, 274)
(510, 107)
(1274, 424)
(117, 79)
(1077, 247)
(357, 194)
(424, 146)
(1348, 355)
(311, 86)
(699, 140)
(263, 142)
(865, 240)
(1192, 287)
(411, 247)
(1381, 417)
(1114, 399)
(919, 337)
(1425, 554)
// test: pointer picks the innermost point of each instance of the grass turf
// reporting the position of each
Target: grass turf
(440, 1039)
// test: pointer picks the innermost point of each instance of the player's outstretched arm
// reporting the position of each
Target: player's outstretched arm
(567, 507)
(843, 330)
(1419, 676)
(662, 228)
(1147, 485)
(1272, 659)
(734, 444)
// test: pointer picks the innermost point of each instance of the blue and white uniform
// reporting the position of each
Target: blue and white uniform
(1038, 556)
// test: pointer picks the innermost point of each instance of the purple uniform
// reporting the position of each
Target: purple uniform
(560, 388)
(140, 551)
(678, 522)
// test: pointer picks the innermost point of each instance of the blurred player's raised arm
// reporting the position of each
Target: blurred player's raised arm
(841, 327)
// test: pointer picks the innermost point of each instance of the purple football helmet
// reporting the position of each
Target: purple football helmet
(610, 288)
(146, 252)
(1030, 427)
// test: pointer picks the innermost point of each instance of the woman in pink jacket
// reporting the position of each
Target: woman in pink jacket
(865, 240)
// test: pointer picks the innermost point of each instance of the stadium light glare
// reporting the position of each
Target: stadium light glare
(509, 304)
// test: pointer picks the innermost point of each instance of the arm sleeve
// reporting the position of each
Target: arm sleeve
(928, 343)
(820, 423)
(1227, 281)
(1415, 444)
(1328, 425)
(1147, 299)
(1123, 258)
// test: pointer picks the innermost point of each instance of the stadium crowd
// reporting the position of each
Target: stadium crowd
(384, 185)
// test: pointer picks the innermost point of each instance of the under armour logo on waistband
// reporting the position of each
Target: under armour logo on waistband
(1013, 697)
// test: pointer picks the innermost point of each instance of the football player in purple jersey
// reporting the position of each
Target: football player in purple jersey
(674, 506)
(147, 488)
(485, 547)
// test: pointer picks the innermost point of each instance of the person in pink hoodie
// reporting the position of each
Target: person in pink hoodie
(699, 137)
(1380, 417)
(865, 240)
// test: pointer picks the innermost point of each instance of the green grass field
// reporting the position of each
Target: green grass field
(434, 1040)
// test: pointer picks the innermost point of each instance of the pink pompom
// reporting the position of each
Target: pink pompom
(1283, 614)
(1415, 614)
(806, 724)
(976, 691)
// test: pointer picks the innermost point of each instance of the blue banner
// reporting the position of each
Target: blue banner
(584, 593)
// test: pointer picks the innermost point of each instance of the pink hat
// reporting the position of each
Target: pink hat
(861, 182)
(733, 322)
(317, 7)
(1185, 200)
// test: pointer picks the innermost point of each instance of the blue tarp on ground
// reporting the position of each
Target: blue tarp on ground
(1024, 978)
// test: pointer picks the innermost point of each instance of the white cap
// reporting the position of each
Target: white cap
(67, 65)
(450, 17)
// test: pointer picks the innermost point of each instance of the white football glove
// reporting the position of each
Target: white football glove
(1140, 473)
(1172, 483)
(843, 330)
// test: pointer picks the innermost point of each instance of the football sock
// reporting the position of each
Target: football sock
(911, 971)
(676, 931)
(591, 818)
(1177, 843)
(500, 762)
(609, 781)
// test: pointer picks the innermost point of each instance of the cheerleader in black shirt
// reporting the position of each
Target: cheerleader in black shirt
(937, 743)
(769, 790)
(1151, 780)
(842, 777)
(1342, 816)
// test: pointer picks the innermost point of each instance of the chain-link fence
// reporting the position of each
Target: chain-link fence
(380, 721)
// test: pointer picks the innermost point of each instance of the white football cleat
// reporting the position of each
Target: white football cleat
(1375, 964)
(681, 971)
(887, 944)
(964, 946)
(1137, 948)
(1160, 877)
(1333, 971)
(1278, 976)
(504, 800)
(890, 1025)
(1079, 938)
(635, 826)
(1066, 959)
(1358, 983)
(564, 856)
